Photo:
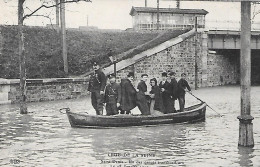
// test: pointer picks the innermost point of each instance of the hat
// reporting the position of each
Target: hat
(95, 63)
(144, 75)
(164, 74)
(172, 73)
(111, 76)
(130, 74)
(183, 74)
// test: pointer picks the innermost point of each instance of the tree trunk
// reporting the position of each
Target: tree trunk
(23, 106)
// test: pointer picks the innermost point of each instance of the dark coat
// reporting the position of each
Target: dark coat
(174, 88)
(142, 102)
(168, 88)
(182, 85)
(97, 81)
(166, 97)
(158, 98)
(113, 93)
(128, 95)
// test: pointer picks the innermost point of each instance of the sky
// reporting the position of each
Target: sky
(114, 14)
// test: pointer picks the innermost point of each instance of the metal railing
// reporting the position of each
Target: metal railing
(229, 25)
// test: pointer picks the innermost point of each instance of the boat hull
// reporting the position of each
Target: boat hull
(191, 114)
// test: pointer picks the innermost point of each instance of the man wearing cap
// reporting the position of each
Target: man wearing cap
(112, 96)
(165, 87)
(174, 89)
(182, 86)
(128, 96)
(96, 86)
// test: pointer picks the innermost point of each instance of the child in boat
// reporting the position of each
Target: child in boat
(112, 96)
(156, 107)
(182, 86)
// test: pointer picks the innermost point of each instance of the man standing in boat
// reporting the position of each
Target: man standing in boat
(141, 98)
(128, 94)
(112, 96)
(182, 86)
(174, 87)
(97, 83)
(165, 87)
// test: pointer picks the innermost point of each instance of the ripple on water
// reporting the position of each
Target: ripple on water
(45, 138)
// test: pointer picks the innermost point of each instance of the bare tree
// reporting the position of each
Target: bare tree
(22, 58)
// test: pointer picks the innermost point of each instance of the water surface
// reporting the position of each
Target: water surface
(44, 136)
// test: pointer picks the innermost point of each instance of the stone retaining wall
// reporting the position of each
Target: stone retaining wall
(44, 89)
(213, 69)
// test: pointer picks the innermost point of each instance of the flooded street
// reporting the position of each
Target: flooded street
(44, 136)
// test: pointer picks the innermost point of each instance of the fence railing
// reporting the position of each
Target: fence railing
(210, 25)
(229, 25)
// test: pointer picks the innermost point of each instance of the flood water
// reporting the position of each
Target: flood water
(44, 137)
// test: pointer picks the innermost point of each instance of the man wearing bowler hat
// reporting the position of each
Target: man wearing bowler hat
(96, 86)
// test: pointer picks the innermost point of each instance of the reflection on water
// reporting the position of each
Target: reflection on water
(45, 138)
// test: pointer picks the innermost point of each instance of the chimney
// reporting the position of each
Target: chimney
(178, 4)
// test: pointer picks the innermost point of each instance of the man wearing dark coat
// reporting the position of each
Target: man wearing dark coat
(165, 87)
(128, 94)
(182, 86)
(142, 102)
(156, 102)
(174, 87)
(97, 83)
(112, 96)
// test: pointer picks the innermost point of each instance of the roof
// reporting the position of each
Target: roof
(167, 10)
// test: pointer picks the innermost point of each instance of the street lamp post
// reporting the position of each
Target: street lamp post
(113, 59)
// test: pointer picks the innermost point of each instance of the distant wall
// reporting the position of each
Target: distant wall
(44, 89)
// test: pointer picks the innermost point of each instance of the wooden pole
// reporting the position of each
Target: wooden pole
(196, 55)
(158, 19)
(63, 36)
(57, 15)
(23, 106)
(145, 3)
(115, 68)
(245, 119)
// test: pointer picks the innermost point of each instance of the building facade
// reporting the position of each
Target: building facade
(145, 18)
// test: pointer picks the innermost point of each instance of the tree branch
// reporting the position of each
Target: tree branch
(44, 6)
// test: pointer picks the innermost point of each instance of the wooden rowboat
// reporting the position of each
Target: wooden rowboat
(83, 120)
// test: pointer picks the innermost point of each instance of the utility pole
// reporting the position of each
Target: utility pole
(57, 15)
(87, 20)
(158, 20)
(245, 119)
(196, 53)
(63, 36)
(23, 106)
(145, 3)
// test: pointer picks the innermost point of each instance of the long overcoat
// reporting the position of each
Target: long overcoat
(128, 95)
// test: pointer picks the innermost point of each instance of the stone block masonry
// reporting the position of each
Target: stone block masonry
(213, 69)
(44, 89)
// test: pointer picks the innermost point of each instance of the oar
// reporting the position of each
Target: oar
(204, 102)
